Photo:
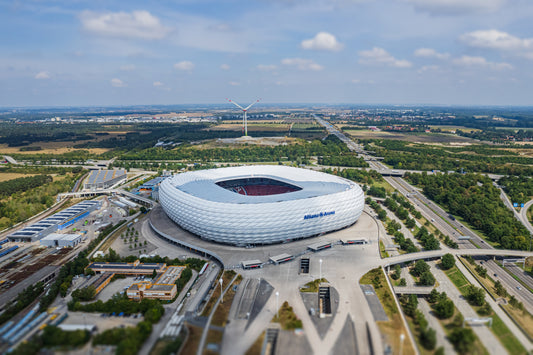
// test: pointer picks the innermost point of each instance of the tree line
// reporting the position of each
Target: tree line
(474, 198)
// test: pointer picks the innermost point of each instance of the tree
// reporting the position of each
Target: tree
(428, 338)
(433, 296)
(154, 274)
(403, 282)
(427, 279)
(499, 289)
(475, 295)
(420, 320)
(410, 223)
(481, 271)
(462, 339)
(485, 310)
(397, 272)
(410, 305)
(444, 309)
(420, 267)
(447, 261)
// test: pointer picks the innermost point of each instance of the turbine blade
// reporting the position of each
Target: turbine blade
(236, 104)
(253, 103)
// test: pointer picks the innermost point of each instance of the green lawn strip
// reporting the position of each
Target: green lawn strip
(388, 187)
(457, 277)
(508, 340)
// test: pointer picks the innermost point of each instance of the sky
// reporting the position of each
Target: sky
(411, 52)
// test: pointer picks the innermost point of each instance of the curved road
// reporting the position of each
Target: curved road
(523, 215)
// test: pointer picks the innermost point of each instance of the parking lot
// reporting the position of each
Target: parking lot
(102, 323)
(114, 287)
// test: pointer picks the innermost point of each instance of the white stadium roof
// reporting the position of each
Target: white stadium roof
(202, 184)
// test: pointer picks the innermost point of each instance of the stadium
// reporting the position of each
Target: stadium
(262, 204)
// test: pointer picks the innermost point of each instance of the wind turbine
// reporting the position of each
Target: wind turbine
(244, 121)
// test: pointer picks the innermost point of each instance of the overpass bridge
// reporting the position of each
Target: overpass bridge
(413, 290)
(136, 198)
(437, 254)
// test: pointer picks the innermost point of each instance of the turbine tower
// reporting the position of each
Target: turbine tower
(244, 121)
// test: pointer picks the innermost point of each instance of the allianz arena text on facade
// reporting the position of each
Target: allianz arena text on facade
(261, 204)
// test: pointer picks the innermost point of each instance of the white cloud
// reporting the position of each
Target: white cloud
(184, 65)
(42, 75)
(426, 68)
(359, 81)
(234, 83)
(117, 83)
(430, 53)
(494, 39)
(323, 41)
(456, 7)
(137, 24)
(225, 67)
(468, 61)
(128, 67)
(302, 64)
(379, 56)
(267, 67)
(158, 83)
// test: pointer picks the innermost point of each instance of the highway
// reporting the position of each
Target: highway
(451, 227)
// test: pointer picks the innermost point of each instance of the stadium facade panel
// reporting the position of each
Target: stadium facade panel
(295, 204)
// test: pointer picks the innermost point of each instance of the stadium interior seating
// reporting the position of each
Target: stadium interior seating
(258, 186)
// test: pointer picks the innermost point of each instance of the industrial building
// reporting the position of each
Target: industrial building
(57, 221)
(103, 179)
(263, 204)
(54, 240)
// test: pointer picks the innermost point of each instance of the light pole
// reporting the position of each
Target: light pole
(221, 296)
(320, 277)
(277, 305)
(402, 337)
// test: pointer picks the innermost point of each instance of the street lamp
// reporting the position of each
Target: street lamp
(221, 296)
(277, 305)
(320, 277)
(402, 337)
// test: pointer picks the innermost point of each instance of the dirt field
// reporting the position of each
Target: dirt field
(11, 176)
(428, 138)
(445, 128)
(252, 127)
(50, 148)
(231, 142)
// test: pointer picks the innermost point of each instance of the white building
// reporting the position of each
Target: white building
(61, 240)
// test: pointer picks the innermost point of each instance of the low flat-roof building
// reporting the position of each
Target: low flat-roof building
(61, 240)
(135, 268)
(163, 287)
(146, 289)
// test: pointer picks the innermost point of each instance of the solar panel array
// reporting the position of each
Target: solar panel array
(104, 178)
